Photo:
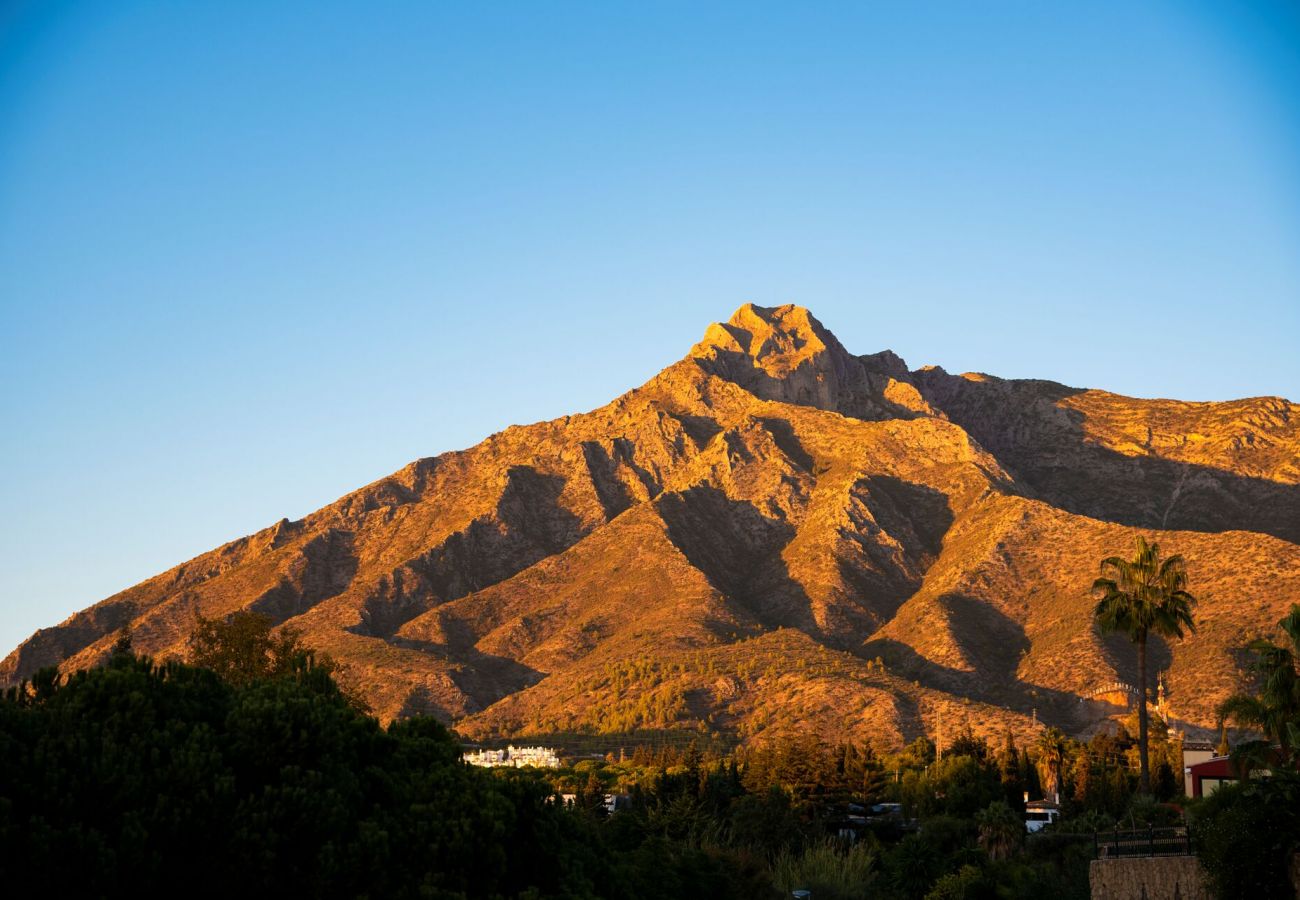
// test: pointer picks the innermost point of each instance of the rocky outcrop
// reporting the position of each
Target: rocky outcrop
(1149, 463)
(771, 533)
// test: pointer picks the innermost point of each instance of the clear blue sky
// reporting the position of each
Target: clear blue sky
(255, 255)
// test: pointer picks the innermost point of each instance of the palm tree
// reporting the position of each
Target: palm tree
(1000, 830)
(1139, 597)
(1052, 751)
(1276, 709)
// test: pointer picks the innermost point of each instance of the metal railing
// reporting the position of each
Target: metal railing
(1142, 842)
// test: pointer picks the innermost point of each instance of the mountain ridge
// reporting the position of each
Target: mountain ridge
(916, 538)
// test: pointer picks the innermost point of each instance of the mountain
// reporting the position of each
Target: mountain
(772, 533)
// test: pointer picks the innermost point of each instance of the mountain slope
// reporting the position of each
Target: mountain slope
(771, 533)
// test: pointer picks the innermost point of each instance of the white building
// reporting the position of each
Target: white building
(515, 757)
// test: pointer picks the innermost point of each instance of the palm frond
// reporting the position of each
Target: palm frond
(1291, 625)
(1244, 710)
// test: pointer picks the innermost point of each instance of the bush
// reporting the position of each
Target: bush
(1088, 822)
(1245, 835)
(828, 869)
(1144, 811)
(956, 885)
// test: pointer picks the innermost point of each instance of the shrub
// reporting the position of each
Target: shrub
(1245, 836)
(828, 869)
(956, 885)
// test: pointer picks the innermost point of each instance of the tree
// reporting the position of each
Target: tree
(1139, 597)
(243, 648)
(1166, 783)
(1008, 763)
(122, 644)
(1084, 790)
(1028, 774)
(136, 777)
(591, 797)
(1000, 830)
(1052, 753)
(1275, 710)
(1246, 836)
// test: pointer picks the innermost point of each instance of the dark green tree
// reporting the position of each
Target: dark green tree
(1001, 831)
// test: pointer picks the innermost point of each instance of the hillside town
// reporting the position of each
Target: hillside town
(514, 757)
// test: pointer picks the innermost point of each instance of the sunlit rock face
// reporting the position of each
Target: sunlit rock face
(772, 534)
(784, 354)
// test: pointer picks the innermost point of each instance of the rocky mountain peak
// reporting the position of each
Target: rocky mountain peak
(783, 353)
(776, 340)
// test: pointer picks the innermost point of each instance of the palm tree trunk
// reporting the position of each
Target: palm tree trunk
(1144, 781)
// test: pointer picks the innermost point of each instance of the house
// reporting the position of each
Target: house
(1039, 814)
(1208, 776)
(1194, 753)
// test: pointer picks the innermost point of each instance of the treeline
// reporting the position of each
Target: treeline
(790, 805)
(258, 776)
(1098, 776)
(139, 778)
(252, 772)
(255, 774)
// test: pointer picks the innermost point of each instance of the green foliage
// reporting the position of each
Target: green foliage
(913, 866)
(1245, 835)
(1088, 822)
(959, 885)
(1001, 830)
(150, 777)
(830, 870)
(1053, 752)
(1144, 595)
(268, 779)
(1166, 785)
(244, 648)
(1275, 709)
(959, 785)
(1146, 810)
(1028, 773)
(1137, 598)
(766, 822)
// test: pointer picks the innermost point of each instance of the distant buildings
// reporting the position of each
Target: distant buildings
(611, 803)
(514, 757)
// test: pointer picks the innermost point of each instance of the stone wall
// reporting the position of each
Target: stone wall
(1149, 878)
